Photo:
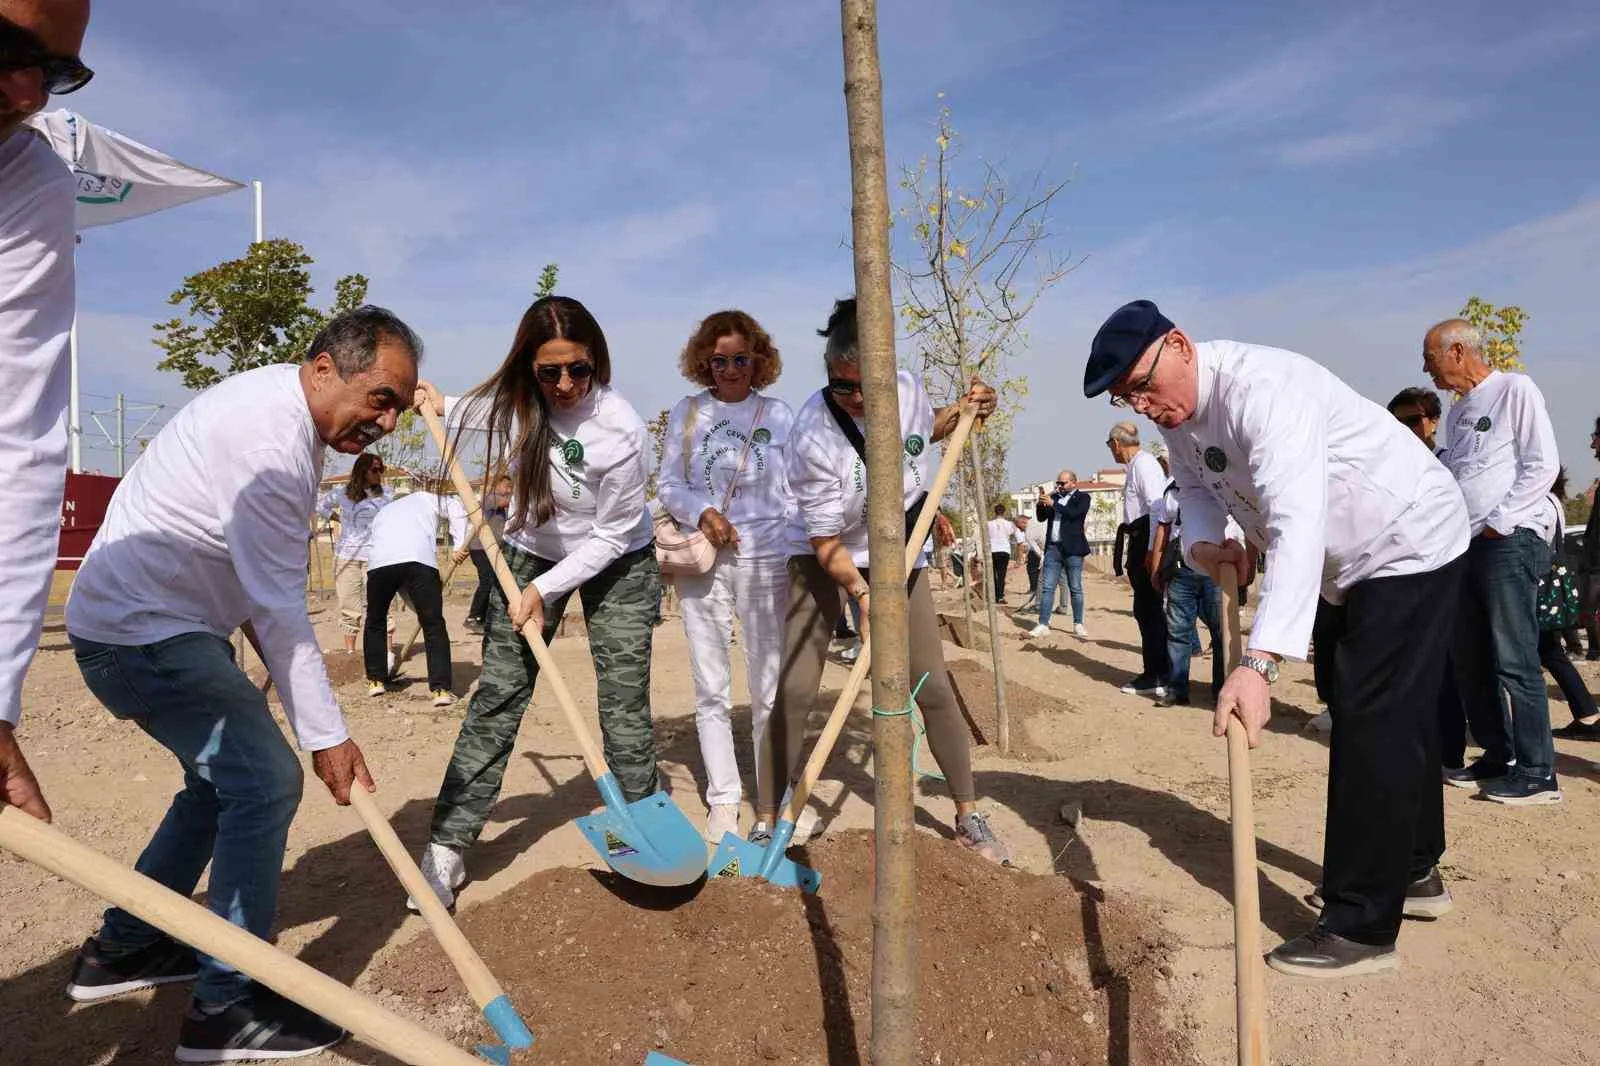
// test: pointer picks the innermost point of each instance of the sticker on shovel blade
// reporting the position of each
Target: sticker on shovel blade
(730, 870)
(615, 845)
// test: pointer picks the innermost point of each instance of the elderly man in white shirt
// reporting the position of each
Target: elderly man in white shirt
(207, 534)
(39, 41)
(1344, 503)
(1502, 449)
(1143, 483)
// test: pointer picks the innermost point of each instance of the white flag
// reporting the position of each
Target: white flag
(119, 178)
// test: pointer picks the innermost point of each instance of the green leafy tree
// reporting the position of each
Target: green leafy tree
(1502, 331)
(246, 313)
(658, 446)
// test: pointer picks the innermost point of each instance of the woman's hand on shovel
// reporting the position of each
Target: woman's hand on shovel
(530, 608)
(338, 767)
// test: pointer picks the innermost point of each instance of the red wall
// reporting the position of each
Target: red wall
(81, 513)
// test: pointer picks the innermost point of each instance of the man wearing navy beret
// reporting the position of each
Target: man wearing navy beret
(1344, 504)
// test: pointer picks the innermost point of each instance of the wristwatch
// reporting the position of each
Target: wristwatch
(1267, 668)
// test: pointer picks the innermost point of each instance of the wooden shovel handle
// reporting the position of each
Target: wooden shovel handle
(187, 921)
(480, 983)
(1249, 990)
(858, 673)
(548, 670)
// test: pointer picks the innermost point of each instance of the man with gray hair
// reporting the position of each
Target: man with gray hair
(207, 534)
(1502, 451)
(39, 42)
(1143, 483)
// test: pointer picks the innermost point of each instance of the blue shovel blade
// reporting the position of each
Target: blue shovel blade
(656, 1058)
(649, 840)
(738, 857)
(498, 1054)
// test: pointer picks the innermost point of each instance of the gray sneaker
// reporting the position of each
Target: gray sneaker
(972, 831)
(760, 833)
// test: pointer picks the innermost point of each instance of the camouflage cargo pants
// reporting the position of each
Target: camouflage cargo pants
(617, 605)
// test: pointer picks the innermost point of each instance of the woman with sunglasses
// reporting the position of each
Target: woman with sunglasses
(575, 451)
(722, 471)
(361, 497)
(827, 538)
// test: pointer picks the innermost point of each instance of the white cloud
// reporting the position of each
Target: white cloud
(1395, 123)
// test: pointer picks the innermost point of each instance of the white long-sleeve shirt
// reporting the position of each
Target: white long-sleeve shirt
(208, 530)
(597, 472)
(829, 480)
(760, 504)
(1502, 451)
(407, 530)
(1328, 483)
(1003, 535)
(1142, 485)
(355, 523)
(37, 300)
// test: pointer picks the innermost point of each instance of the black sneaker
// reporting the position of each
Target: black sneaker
(1475, 774)
(1518, 791)
(1426, 897)
(474, 626)
(1576, 730)
(1143, 686)
(1173, 699)
(1322, 953)
(263, 1026)
(97, 976)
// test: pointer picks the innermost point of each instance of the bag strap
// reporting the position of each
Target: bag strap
(847, 426)
(761, 405)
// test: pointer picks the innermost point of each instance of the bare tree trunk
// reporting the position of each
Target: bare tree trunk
(966, 575)
(894, 943)
(1002, 713)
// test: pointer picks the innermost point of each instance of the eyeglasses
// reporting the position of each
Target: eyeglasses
(550, 373)
(841, 387)
(1143, 387)
(719, 363)
(59, 75)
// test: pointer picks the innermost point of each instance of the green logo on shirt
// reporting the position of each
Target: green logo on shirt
(1483, 424)
(914, 445)
(1216, 461)
(762, 435)
(572, 452)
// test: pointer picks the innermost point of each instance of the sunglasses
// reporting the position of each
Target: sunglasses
(719, 363)
(841, 387)
(1063, 484)
(551, 374)
(21, 50)
(1412, 420)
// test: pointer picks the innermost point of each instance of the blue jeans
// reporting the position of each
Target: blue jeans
(241, 781)
(1054, 563)
(1192, 595)
(1497, 646)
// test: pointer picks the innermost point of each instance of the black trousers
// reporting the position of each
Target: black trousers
(1324, 636)
(999, 563)
(486, 584)
(1385, 823)
(1034, 564)
(1150, 611)
(421, 583)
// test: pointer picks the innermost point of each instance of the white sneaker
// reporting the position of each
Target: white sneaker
(852, 651)
(1038, 631)
(444, 871)
(1322, 723)
(1080, 632)
(722, 819)
(810, 823)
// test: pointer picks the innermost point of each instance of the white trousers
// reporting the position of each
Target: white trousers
(758, 591)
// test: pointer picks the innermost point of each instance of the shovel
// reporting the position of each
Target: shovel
(649, 840)
(737, 857)
(190, 923)
(1249, 993)
(485, 990)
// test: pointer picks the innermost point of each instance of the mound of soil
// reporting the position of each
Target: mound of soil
(974, 686)
(1012, 967)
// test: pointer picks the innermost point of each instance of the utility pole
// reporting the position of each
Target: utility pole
(122, 437)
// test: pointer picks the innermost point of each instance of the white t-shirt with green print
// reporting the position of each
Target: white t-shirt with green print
(829, 481)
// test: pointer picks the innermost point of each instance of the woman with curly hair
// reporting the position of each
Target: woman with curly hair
(575, 451)
(722, 472)
(361, 498)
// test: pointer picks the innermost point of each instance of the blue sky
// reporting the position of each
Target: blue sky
(1327, 180)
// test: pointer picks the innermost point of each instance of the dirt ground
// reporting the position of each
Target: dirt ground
(1145, 875)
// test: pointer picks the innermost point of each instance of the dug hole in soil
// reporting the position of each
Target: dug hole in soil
(1012, 967)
